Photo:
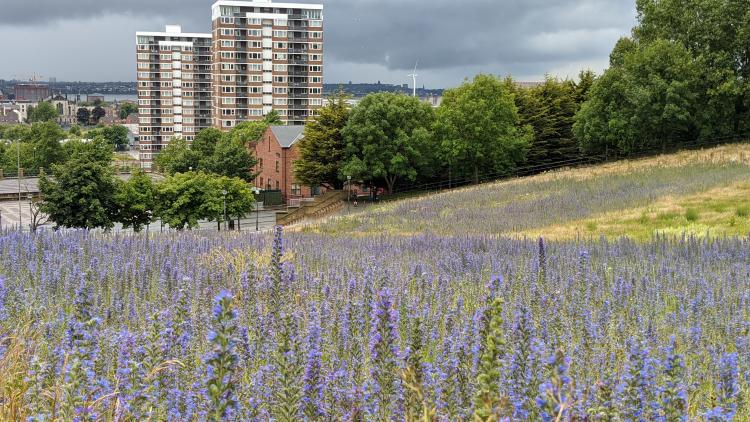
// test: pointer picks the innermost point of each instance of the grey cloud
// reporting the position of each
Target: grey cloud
(363, 38)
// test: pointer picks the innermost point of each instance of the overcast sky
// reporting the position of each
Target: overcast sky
(365, 40)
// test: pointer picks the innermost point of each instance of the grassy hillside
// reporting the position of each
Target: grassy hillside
(696, 192)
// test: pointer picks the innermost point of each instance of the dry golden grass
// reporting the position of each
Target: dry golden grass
(719, 211)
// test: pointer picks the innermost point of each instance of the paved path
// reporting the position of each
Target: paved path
(31, 184)
(9, 219)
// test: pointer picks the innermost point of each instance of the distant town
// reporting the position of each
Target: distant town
(124, 90)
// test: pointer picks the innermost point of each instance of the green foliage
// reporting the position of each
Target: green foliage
(43, 112)
(81, 195)
(240, 198)
(231, 157)
(176, 157)
(83, 115)
(649, 102)
(117, 135)
(387, 139)
(479, 129)
(98, 149)
(287, 396)
(186, 198)
(127, 109)
(550, 109)
(487, 396)
(273, 118)
(136, 201)
(247, 132)
(213, 152)
(691, 215)
(205, 142)
(681, 77)
(75, 130)
(46, 149)
(97, 113)
(321, 151)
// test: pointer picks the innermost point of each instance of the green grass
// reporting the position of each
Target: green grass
(637, 199)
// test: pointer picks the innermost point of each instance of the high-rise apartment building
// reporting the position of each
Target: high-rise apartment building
(266, 56)
(174, 88)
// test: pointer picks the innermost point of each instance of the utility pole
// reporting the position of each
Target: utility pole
(18, 178)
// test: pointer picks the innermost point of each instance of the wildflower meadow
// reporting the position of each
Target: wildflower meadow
(312, 327)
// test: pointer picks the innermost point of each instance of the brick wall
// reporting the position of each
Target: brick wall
(268, 152)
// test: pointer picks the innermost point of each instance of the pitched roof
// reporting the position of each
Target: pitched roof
(287, 135)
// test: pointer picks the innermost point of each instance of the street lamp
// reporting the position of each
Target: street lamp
(349, 193)
(31, 211)
(224, 192)
(256, 192)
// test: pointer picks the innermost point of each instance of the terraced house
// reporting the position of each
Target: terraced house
(174, 87)
(260, 56)
(267, 56)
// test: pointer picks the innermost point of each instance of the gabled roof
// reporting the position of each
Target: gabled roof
(287, 135)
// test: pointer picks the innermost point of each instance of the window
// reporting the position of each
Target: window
(142, 65)
(260, 164)
(279, 56)
(316, 24)
(277, 167)
(279, 68)
(254, 33)
(296, 189)
(312, 14)
(316, 57)
(316, 101)
(315, 90)
(278, 185)
(316, 68)
(314, 46)
(280, 34)
(254, 21)
(279, 90)
(316, 34)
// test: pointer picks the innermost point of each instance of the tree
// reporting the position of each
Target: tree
(176, 157)
(97, 114)
(98, 150)
(116, 135)
(136, 201)
(43, 112)
(248, 132)
(81, 195)
(231, 157)
(479, 128)
(387, 139)
(322, 148)
(186, 198)
(240, 199)
(83, 115)
(205, 142)
(549, 109)
(75, 130)
(649, 101)
(126, 109)
(45, 144)
(273, 118)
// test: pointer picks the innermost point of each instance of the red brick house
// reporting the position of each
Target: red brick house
(276, 152)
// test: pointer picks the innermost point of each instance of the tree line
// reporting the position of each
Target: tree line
(680, 79)
(85, 193)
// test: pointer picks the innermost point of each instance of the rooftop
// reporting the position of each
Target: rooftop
(268, 3)
(287, 135)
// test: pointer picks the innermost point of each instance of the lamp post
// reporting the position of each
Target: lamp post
(18, 177)
(31, 211)
(224, 193)
(256, 192)
(349, 193)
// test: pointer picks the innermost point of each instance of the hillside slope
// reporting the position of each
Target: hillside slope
(691, 191)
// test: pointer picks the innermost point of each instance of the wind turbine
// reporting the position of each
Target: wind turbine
(414, 78)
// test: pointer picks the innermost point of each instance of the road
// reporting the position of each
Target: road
(9, 219)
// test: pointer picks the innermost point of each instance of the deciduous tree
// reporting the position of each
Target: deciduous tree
(479, 129)
(387, 139)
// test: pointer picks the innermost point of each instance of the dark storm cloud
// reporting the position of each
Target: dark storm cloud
(449, 33)
(364, 39)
